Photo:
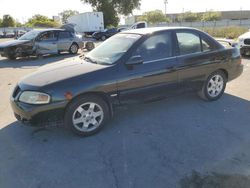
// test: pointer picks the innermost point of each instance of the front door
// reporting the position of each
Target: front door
(156, 77)
(46, 43)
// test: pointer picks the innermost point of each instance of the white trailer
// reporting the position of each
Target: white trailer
(88, 22)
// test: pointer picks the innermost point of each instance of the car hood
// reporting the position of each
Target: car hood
(13, 43)
(56, 72)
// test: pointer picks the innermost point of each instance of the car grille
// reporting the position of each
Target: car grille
(247, 41)
(17, 90)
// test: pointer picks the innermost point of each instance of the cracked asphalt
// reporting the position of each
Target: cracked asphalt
(178, 142)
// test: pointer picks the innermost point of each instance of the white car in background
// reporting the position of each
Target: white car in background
(244, 43)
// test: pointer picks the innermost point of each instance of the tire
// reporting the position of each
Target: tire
(90, 46)
(214, 87)
(103, 38)
(74, 48)
(86, 115)
(11, 56)
(18, 52)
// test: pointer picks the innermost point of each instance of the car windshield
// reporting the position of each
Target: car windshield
(30, 35)
(112, 49)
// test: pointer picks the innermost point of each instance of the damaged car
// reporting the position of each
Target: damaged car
(42, 42)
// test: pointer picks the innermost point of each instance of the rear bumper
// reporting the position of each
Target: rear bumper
(37, 113)
(235, 72)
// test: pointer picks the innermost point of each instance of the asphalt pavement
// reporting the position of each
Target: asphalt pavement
(178, 142)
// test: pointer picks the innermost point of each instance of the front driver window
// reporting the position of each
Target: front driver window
(47, 36)
(156, 47)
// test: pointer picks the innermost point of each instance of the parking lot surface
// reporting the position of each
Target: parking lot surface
(178, 142)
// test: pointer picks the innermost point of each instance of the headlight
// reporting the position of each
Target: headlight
(33, 97)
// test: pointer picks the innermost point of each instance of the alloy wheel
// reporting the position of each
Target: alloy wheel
(215, 86)
(88, 117)
(74, 49)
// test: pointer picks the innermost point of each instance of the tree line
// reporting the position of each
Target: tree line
(157, 16)
(111, 9)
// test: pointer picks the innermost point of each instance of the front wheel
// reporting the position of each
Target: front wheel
(214, 86)
(11, 56)
(86, 115)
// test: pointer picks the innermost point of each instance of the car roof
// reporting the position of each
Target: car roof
(145, 31)
(42, 30)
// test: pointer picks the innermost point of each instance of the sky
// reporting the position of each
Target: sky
(24, 9)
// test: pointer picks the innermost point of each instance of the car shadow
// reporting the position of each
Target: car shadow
(34, 61)
(155, 144)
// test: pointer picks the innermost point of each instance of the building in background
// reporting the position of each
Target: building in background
(225, 16)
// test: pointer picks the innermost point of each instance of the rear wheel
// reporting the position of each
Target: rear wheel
(214, 86)
(90, 46)
(86, 115)
(74, 49)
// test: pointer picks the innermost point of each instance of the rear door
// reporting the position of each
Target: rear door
(156, 77)
(196, 59)
(65, 40)
(46, 43)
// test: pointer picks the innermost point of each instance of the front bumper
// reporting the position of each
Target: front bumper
(37, 113)
(245, 50)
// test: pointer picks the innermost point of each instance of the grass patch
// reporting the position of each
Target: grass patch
(232, 32)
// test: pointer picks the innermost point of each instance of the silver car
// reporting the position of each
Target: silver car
(42, 42)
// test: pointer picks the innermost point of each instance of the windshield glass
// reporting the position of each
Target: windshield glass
(112, 49)
(30, 35)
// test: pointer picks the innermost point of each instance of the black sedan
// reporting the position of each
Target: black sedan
(103, 35)
(133, 66)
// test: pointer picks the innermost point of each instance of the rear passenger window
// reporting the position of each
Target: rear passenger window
(64, 35)
(156, 47)
(189, 43)
(206, 45)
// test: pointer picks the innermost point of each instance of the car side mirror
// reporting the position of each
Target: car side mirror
(135, 60)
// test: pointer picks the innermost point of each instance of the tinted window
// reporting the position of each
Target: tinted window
(156, 47)
(207, 45)
(189, 43)
(64, 35)
(112, 30)
(141, 25)
(47, 36)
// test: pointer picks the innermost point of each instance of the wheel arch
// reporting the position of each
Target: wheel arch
(225, 72)
(74, 43)
(101, 95)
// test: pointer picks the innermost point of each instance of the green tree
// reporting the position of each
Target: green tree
(153, 17)
(66, 14)
(8, 21)
(189, 17)
(41, 21)
(1, 22)
(18, 24)
(211, 16)
(112, 8)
